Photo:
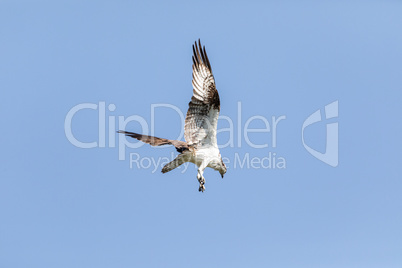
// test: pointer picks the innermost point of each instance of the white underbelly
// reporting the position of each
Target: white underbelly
(205, 154)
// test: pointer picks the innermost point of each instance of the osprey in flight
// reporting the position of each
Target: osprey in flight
(200, 147)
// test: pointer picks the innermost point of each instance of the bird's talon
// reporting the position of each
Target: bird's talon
(201, 188)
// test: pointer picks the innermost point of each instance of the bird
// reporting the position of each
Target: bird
(200, 126)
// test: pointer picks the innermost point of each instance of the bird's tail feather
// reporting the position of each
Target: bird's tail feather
(179, 160)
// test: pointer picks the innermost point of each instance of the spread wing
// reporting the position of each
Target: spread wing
(155, 141)
(203, 111)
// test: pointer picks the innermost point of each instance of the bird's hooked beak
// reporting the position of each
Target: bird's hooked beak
(222, 175)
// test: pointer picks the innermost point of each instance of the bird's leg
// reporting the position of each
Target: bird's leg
(201, 180)
(200, 176)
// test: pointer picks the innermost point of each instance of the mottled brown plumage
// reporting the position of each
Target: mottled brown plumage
(204, 107)
(181, 146)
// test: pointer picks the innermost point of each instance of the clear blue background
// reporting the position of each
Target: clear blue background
(62, 206)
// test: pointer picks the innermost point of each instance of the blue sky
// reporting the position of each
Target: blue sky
(63, 206)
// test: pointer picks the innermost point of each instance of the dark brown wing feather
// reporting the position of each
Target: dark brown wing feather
(204, 107)
(155, 141)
